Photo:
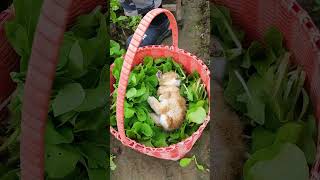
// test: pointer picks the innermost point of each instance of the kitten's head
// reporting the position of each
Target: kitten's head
(168, 79)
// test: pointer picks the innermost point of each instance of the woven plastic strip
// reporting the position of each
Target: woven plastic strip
(8, 62)
(129, 57)
(301, 36)
(55, 15)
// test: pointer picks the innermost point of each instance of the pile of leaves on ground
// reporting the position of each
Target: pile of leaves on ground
(267, 90)
(76, 136)
(143, 83)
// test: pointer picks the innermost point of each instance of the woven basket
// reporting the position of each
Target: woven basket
(302, 38)
(55, 17)
(8, 62)
(133, 57)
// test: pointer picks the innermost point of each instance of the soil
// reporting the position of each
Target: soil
(195, 29)
(132, 165)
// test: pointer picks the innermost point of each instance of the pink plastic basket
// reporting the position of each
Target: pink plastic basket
(8, 62)
(302, 38)
(133, 57)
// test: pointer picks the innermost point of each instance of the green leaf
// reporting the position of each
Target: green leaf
(197, 116)
(311, 126)
(94, 98)
(68, 98)
(18, 38)
(76, 61)
(199, 166)
(86, 25)
(57, 135)
(277, 162)
(233, 89)
(131, 93)
(96, 174)
(11, 175)
(146, 130)
(184, 162)
(67, 117)
(60, 160)
(128, 112)
(95, 155)
(305, 104)
(143, 128)
(274, 39)
(141, 114)
(68, 41)
(148, 62)
(113, 165)
(159, 138)
(261, 138)
(281, 73)
(309, 148)
(256, 110)
(290, 132)
(254, 51)
(91, 120)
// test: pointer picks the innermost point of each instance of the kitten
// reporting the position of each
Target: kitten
(171, 108)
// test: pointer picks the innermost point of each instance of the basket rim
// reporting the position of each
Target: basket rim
(201, 127)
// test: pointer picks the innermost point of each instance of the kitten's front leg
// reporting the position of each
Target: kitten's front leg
(155, 118)
(154, 104)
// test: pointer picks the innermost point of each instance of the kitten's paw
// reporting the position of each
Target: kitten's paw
(164, 122)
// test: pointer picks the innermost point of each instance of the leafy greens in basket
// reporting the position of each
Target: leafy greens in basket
(267, 90)
(76, 138)
(143, 83)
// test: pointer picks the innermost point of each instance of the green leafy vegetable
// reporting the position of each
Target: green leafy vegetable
(275, 162)
(184, 162)
(262, 84)
(75, 138)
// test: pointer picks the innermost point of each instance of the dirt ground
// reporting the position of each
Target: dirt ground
(135, 166)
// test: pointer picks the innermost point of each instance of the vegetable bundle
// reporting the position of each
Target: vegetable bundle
(76, 137)
(143, 83)
(267, 90)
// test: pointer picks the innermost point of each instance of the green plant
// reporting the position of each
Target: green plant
(113, 165)
(184, 162)
(268, 90)
(115, 50)
(76, 139)
(316, 6)
(128, 22)
(143, 83)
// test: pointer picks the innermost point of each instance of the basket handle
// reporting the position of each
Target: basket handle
(129, 57)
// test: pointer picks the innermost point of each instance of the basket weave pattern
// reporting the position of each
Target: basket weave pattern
(134, 56)
(301, 36)
(8, 63)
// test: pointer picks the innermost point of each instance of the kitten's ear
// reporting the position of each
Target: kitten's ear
(159, 74)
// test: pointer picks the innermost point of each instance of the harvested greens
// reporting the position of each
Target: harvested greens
(76, 138)
(143, 83)
(267, 91)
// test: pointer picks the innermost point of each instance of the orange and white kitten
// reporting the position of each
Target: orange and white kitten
(170, 109)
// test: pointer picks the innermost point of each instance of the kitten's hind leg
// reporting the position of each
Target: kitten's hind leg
(154, 104)
(155, 118)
